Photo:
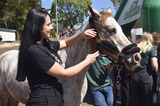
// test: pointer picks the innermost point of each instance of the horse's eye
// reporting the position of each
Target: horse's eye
(112, 30)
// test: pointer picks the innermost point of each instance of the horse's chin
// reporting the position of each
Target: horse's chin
(131, 62)
(131, 67)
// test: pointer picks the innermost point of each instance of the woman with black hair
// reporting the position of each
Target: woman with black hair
(40, 63)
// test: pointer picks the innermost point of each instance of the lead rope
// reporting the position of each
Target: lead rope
(118, 78)
(117, 84)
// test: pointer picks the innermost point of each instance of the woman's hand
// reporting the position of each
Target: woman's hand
(89, 33)
(91, 58)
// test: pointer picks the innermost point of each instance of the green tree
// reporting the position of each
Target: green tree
(13, 13)
(70, 12)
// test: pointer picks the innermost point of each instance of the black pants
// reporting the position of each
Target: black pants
(45, 96)
(125, 86)
(141, 88)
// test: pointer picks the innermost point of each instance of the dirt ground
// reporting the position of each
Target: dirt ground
(2, 50)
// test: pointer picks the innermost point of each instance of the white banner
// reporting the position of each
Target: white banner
(131, 11)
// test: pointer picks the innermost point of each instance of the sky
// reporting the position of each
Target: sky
(98, 5)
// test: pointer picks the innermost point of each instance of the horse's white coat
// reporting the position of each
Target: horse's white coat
(8, 85)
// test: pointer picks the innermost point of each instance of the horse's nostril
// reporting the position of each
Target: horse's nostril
(136, 58)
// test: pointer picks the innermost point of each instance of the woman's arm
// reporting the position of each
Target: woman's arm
(57, 71)
(87, 34)
(154, 64)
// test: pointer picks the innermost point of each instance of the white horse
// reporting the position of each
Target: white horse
(111, 41)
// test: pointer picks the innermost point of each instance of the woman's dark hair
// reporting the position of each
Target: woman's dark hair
(31, 34)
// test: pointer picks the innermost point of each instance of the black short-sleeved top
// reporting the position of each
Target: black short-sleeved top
(38, 62)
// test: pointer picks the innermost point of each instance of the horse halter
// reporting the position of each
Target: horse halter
(132, 48)
(104, 43)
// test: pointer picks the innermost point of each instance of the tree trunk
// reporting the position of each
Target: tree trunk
(17, 27)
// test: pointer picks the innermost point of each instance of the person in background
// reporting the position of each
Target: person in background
(60, 34)
(155, 77)
(141, 91)
(100, 83)
(155, 87)
(39, 62)
(67, 31)
(125, 86)
(70, 32)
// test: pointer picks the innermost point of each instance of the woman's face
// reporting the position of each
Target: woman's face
(46, 28)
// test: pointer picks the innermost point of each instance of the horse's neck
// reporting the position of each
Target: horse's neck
(79, 51)
(76, 54)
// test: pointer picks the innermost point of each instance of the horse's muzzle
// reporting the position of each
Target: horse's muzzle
(136, 58)
(131, 62)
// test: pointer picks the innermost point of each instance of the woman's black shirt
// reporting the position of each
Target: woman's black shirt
(38, 61)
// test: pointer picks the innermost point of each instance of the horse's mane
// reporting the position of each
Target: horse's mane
(81, 29)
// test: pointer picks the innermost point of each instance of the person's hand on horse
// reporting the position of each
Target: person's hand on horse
(89, 33)
(91, 58)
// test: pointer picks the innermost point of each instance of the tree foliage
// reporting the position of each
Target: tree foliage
(13, 13)
(70, 12)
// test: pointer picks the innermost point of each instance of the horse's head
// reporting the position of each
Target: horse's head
(111, 40)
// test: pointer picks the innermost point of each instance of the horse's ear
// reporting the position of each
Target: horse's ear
(109, 10)
(94, 12)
